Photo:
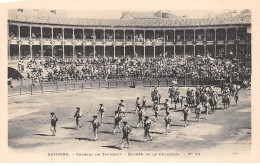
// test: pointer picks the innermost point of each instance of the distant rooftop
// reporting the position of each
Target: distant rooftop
(138, 15)
(149, 15)
(132, 19)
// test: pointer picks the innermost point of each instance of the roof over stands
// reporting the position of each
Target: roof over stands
(243, 18)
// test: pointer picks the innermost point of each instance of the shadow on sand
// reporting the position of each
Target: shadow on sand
(46, 135)
(135, 140)
(106, 132)
(70, 128)
(109, 117)
(108, 123)
(86, 139)
(111, 146)
(154, 132)
(177, 125)
(132, 112)
(177, 111)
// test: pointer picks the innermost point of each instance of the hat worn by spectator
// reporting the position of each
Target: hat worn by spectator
(125, 122)
(94, 116)
(78, 108)
(101, 104)
(52, 113)
(146, 117)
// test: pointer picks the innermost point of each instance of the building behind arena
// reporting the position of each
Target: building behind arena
(40, 34)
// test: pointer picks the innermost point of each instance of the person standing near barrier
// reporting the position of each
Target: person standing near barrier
(156, 108)
(102, 110)
(186, 112)
(54, 120)
(95, 124)
(78, 115)
(126, 131)
(167, 120)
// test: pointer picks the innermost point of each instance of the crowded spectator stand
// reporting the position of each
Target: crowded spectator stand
(200, 70)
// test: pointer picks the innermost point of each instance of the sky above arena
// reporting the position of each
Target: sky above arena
(116, 14)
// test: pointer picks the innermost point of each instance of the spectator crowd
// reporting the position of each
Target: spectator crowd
(124, 68)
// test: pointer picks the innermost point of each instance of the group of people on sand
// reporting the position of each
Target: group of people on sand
(141, 109)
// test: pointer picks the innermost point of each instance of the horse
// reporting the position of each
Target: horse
(225, 101)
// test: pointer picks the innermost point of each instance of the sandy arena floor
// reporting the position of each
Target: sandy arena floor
(226, 131)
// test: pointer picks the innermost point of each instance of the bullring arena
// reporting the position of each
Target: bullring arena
(57, 64)
(227, 130)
